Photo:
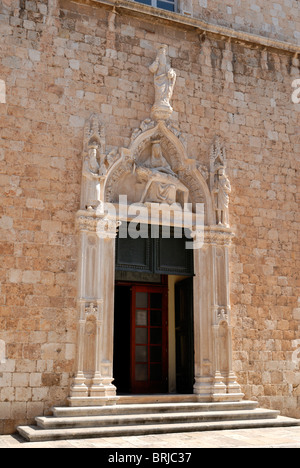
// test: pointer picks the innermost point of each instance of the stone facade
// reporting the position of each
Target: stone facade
(276, 19)
(63, 61)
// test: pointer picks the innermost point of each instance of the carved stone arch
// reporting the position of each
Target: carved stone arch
(122, 174)
(121, 168)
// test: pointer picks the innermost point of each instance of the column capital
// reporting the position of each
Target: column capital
(104, 225)
(218, 235)
(107, 228)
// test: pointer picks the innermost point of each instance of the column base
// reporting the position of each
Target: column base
(102, 390)
(219, 386)
(87, 391)
(232, 385)
(210, 389)
(203, 388)
(79, 388)
(97, 389)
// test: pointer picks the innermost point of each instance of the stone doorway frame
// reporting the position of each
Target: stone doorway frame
(215, 379)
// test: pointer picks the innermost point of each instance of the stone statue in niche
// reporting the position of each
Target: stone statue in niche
(96, 164)
(164, 82)
(221, 190)
(161, 183)
(91, 184)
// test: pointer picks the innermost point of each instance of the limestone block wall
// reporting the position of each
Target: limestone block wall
(62, 61)
(278, 19)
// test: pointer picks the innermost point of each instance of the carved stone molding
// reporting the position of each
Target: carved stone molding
(216, 236)
(94, 309)
(94, 133)
(205, 28)
(222, 315)
(147, 124)
(86, 221)
(101, 224)
(120, 169)
(108, 228)
(177, 132)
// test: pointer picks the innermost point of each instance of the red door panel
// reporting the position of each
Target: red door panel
(149, 339)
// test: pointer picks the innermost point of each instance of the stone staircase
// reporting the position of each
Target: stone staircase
(151, 415)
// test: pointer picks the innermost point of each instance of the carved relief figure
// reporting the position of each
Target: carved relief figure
(164, 82)
(91, 183)
(221, 191)
(162, 184)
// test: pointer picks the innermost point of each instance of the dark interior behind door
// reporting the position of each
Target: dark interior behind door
(184, 324)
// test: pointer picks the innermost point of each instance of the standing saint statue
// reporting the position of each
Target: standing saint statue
(91, 184)
(221, 191)
(164, 82)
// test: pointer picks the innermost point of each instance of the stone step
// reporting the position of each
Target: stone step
(131, 399)
(154, 418)
(151, 408)
(173, 398)
(36, 434)
(144, 399)
(151, 414)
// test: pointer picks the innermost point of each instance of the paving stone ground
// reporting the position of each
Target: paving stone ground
(288, 437)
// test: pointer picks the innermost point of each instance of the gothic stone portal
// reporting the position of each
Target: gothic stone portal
(153, 169)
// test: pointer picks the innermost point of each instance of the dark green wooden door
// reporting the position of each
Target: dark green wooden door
(184, 324)
(155, 255)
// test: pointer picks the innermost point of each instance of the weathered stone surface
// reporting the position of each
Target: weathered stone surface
(62, 64)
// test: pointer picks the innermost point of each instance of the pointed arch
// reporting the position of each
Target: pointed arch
(121, 179)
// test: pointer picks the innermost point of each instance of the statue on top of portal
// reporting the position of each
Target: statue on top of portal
(164, 82)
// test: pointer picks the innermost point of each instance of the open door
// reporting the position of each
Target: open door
(149, 335)
(184, 325)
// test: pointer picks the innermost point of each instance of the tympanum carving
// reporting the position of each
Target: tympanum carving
(161, 183)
